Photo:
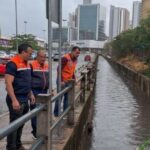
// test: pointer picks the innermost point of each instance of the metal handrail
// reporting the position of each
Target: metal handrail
(79, 79)
(78, 95)
(60, 118)
(37, 143)
(61, 93)
(20, 121)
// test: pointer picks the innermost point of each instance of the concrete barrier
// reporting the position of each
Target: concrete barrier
(136, 80)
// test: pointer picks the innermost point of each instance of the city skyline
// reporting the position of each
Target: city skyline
(35, 16)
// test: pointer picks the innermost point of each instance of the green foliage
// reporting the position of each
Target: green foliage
(26, 38)
(2, 48)
(144, 145)
(135, 41)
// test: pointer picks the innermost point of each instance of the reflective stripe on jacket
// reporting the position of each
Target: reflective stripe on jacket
(22, 79)
(40, 76)
(68, 70)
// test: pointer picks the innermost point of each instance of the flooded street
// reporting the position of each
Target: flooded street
(121, 121)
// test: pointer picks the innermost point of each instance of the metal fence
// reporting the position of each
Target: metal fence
(44, 110)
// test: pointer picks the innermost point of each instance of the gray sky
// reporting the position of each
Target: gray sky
(33, 11)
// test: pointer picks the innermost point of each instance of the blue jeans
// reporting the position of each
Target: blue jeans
(65, 103)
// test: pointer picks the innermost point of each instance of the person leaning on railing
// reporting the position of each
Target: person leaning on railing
(39, 82)
(68, 66)
(18, 86)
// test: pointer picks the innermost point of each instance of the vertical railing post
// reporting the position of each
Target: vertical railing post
(43, 121)
(89, 79)
(71, 102)
(83, 87)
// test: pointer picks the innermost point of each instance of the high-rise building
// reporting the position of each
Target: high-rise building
(87, 1)
(72, 19)
(145, 9)
(136, 14)
(91, 22)
(119, 21)
(55, 34)
(68, 34)
(72, 30)
(102, 24)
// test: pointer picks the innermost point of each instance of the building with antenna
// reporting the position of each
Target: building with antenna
(87, 1)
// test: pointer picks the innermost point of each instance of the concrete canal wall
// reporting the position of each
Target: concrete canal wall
(136, 80)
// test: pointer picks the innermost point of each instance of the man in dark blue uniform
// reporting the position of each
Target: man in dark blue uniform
(18, 85)
(39, 82)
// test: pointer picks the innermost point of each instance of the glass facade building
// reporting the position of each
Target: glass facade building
(91, 23)
(55, 34)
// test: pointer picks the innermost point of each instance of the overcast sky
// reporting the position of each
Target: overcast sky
(33, 11)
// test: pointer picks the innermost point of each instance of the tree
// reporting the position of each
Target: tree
(26, 38)
(135, 41)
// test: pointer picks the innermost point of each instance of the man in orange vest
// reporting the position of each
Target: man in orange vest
(18, 86)
(68, 66)
(39, 81)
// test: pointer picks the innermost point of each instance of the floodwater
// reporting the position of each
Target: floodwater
(121, 121)
(3, 107)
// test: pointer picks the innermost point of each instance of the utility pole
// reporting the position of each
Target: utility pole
(44, 37)
(25, 27)
(16, 14)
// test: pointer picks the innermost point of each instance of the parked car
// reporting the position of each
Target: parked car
(56, 57)
(3, 54)
(34, 54)
(2, 67)
(12, 53)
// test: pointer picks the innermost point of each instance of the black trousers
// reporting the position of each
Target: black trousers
(33, 120)
(14, 139)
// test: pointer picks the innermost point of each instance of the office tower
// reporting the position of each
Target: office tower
(87, 1)
(145, 9)
(91, 22)
(119, 21)
(136, 13)
(55, 34)
(72, 30)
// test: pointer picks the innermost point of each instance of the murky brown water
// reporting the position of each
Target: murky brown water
(121, 121)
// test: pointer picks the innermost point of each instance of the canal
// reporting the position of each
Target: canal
(121, 121)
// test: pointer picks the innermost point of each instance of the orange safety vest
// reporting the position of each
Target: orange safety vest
(68, 70)
(22, 80)
(39, 75)
(21, 65)
(37, 67)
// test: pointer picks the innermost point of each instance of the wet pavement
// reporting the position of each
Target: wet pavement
(121, 121)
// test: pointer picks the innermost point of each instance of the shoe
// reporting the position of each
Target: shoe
(21, 148)
(34, 135)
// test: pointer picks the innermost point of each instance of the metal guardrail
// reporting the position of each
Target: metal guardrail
(60, 118)
(61, 93)
(37, 143)
(45, 111)
(19, 122)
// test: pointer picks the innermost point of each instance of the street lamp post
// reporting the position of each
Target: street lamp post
(64, 20)
(16, 24)
(25, 27)
(44, 36)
